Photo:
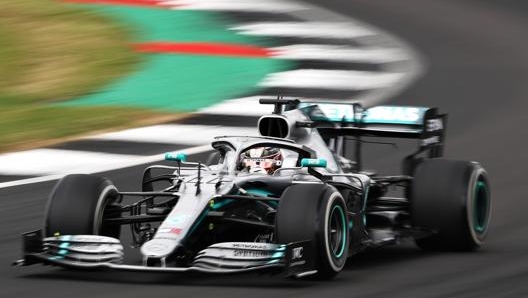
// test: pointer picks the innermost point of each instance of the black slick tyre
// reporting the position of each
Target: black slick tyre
(315, 212)
(453, 199)
(79, 203)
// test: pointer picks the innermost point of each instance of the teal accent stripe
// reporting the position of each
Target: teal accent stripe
(64, 247)
(198, 222)
(273, 203)
(218, 205)
(259, 192)
(56, 258)
(278, 254)
(313, 162)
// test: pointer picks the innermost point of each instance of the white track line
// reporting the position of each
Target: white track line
(331, 79)
(136, 160)
(53, 162)
(340, 30)
(338, 53)
(413, 68)
(56, 161)
(176, 134)
(235, 5)
(248, 106)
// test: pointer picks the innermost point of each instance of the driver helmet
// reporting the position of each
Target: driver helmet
(265, 160)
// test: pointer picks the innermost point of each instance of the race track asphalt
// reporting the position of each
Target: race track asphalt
(476, 54)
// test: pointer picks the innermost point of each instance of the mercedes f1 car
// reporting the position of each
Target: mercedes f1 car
(288, 200)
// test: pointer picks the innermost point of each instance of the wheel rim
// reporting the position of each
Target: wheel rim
(481, 203)
(337, 231)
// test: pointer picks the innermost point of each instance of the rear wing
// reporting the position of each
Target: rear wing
(422, 123)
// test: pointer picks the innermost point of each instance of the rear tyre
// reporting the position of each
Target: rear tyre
(79, 204)
(316, 212)
(452, 198)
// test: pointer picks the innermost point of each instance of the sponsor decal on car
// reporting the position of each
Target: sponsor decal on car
(434, 125)
(393, 114)
(178, 219)
(338, 112)
(176, 231)
(297, 253)
(252, 253)
(431, 140)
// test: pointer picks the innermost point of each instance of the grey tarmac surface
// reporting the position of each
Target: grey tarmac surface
(477, 71)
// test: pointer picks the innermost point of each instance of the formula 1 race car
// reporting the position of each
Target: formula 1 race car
(286, 201)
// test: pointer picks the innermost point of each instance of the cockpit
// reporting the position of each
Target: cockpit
(265, 156)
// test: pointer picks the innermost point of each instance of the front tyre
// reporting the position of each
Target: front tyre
(79, 204)
(453, 199)
(316, 212)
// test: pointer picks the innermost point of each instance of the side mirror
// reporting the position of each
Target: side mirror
(313, 163)
(170, 156)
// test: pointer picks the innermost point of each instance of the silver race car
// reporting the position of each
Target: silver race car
(288, 200)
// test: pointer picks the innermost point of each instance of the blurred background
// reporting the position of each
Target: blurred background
(107, 85)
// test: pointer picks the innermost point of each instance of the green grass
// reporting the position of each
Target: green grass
(40, 125)
(52, 52)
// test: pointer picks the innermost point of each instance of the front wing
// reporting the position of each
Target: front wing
(105, 253)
